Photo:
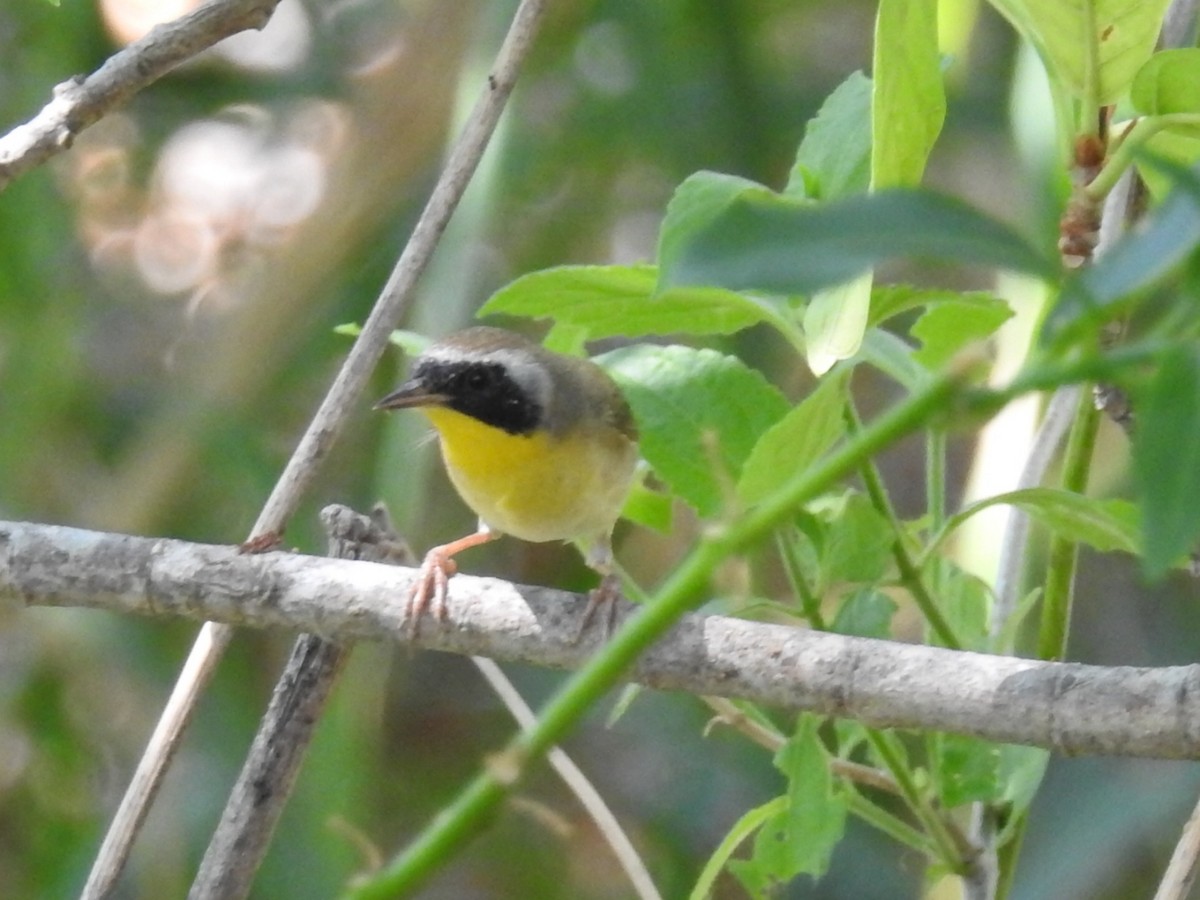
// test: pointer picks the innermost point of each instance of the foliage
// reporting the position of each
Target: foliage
(762, 339)
(742, 255)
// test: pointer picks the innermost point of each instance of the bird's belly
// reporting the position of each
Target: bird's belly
(538, 487)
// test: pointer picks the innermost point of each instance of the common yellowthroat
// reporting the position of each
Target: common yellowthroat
(540, 445)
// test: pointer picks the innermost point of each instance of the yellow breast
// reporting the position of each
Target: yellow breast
(537, 487)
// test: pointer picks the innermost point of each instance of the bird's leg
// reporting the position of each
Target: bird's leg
(604, 596)
(599, 557)
(435, 573)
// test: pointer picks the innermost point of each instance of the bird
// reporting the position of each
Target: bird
(541, 446)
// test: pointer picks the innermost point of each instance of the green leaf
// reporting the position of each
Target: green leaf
(570, 340)
(1177, 144)
(865, 613)
(891, 300)
(797, 440)
(1166, 460)
(1020, 774)
(800, 545)
(756, 240)
(1004, 643)
(701, 198)
(606, 301)
(892, 356)
(648, 507)
(850, 735)
(1105, 525)
(909, 102)
(964, 600)
(966, 769)
(800, 838)
(946, 328)
(624, 702)
(857, 540)
(1169, 82)
(835, 322)
(834, 159)
(1098, 42)
(699, 414)
(749, 823)
(411, 343)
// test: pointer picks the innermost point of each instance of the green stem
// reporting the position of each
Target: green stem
(1060, 569)
(467, 814)
(810, 604)
(910, 574)
(891, 825)
(1007, 857)
(910, 577)
(935, 503)
(1125, 149)
(1089, 101)
(935, 477)
(945, 843)
(1051, 374)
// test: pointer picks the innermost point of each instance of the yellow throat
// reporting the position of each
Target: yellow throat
(537, 487)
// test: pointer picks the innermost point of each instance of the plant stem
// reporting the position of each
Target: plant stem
(467, 814)
(910, 574)
(1089, 100)
(1126, 147)
(947, 846)
(935, 503)
(894, 827)
(935, 478)
(810, 604)
(1060, 569)
(1008, 855)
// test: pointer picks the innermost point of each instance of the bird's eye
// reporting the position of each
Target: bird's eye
(476, 379)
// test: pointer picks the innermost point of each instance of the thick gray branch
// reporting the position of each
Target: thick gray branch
(1067, 707)
(79, 102)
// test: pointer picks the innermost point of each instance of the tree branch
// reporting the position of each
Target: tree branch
(80, 102)
(1067, 707)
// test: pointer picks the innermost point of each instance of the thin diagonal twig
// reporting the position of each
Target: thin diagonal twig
(1180, 875)
(578, 783)
(321, 434)
(269, 772)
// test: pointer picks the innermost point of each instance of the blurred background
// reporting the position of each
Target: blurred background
(169, 290)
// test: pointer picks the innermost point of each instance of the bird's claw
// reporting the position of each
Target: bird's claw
(605, 596)
(431, 588)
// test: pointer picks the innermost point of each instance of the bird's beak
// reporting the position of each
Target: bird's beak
(409, 395)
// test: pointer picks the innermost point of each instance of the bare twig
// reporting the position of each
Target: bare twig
(729, 714)
(160, 748)
(324, 429)
(1044, 447)
(1066, 707)
(1180, 875)
(269, 772)
(579, 784)
(81, 102)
